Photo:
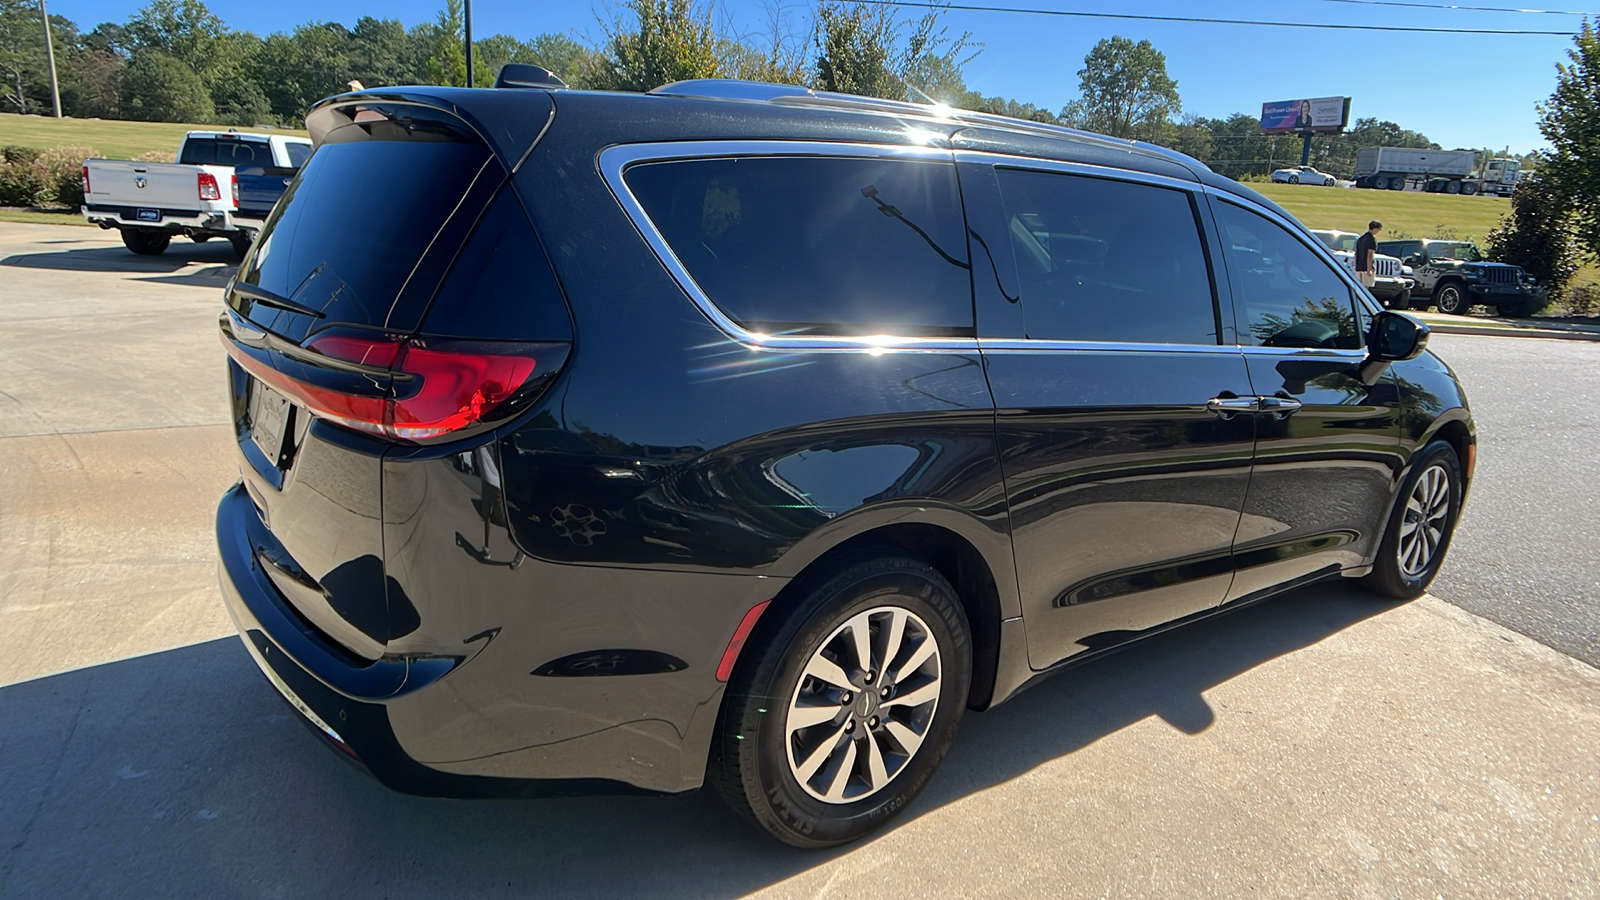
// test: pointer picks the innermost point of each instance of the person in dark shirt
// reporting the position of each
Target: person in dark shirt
(1366, 251)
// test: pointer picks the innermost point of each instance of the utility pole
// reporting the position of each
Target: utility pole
(50, 51)
(468, 4)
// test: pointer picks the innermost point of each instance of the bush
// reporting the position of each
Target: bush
(156, 156)
(23, 184)
(15, 153)
(63, 166)
(1536, 236)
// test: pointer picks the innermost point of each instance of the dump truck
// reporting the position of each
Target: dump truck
(1435, 171)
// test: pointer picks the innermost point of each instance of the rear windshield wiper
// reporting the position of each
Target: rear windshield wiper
(268, 298)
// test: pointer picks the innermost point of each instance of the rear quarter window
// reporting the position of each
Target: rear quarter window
(817, 245)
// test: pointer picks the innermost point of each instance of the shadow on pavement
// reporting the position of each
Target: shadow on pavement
(182, 773)
(181, 254)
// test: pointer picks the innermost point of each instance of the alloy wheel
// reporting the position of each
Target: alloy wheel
(864, 704)
(1422, 530)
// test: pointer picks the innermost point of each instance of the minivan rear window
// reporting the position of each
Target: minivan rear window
(817, 245)
(351, 228)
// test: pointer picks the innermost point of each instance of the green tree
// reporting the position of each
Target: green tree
(561, 55)
(381, 53)
(447, 63)
(856, 50)
(1001, 106)
(182, 29)
(667, 41)
(21, 52)
(1570, 121)
(1370, 132)
(159, 88)
(1126, 90)
(1537, 236)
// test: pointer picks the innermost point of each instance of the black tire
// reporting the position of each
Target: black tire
(1294, 179)
(1515, 310)
(1397, 183)
(1469, 188)
(1390, 577)
(145, 243)
(199, 238)
(1401, 301)
(750, 753)
(1451, 298)
(1452, 187)
(241, 244)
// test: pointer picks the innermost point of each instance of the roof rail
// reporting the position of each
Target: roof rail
(799, 95)
(523, 75)
(730, 89)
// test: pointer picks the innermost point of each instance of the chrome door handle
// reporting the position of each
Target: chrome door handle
(1280, 407)
(1228, 407)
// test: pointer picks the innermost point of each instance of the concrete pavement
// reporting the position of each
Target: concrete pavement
(1321, 744)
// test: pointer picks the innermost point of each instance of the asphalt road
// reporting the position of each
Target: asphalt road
(1321, 744)
(1527, 553)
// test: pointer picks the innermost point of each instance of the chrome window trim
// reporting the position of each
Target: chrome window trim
(614, 161)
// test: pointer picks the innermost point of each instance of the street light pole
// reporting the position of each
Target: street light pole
(50, 51)
(468, 4)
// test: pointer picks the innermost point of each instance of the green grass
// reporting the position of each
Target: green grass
(42, 217)
(112, 138)
(1403, 213)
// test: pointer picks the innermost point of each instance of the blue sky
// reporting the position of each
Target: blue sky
(1460, 90)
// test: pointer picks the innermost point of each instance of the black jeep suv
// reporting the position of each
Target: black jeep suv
(744, 434)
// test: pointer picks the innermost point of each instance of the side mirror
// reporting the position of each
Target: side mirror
(1396, 336)
(1413, 260)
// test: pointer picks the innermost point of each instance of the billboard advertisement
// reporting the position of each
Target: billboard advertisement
(1317, 115)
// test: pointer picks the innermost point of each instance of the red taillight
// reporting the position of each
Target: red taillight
(438, 386)
(85, 179)
(208, 187)
(235, 181)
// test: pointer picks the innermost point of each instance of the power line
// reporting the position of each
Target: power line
(1206, 21)
(1451, 7)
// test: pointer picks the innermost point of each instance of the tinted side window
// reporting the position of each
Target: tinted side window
(1286, 295)
(818, 245)
(500, 287)
(199, 152)
(298, 154)
(1103, 260)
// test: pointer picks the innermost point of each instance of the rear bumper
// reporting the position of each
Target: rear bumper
(169, 220)
(300, 666)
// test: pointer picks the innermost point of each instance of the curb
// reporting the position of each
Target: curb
(1454, 325)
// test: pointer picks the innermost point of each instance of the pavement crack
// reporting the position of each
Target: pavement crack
(14, 852)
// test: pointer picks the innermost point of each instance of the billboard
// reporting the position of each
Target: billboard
(1318, 115)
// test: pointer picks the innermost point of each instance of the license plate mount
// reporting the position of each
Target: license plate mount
(269, 416)
(147, 215)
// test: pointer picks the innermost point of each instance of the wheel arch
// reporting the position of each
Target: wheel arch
(980, 584)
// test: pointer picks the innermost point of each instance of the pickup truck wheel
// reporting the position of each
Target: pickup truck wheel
(241, 245)
(1451, 298)
(145, 243)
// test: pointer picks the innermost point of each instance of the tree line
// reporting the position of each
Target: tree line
(177, 61)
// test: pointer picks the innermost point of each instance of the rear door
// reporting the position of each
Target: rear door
(1123, 433)
(1327, 441)
(352, 255)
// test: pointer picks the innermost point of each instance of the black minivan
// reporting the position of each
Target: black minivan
(747, 434)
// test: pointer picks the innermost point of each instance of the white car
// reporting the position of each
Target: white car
(1304, 175)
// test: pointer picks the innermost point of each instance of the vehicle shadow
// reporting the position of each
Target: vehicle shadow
(180, 255)
(182, 773)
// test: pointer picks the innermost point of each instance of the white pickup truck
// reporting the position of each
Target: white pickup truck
(223, 185)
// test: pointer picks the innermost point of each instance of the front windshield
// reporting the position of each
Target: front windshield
(1465, 251)
(1340, 241)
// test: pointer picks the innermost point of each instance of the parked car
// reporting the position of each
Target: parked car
(746, 435)
(1392, 280)
(1304, 175)
(1453, 275)
(223, 185)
